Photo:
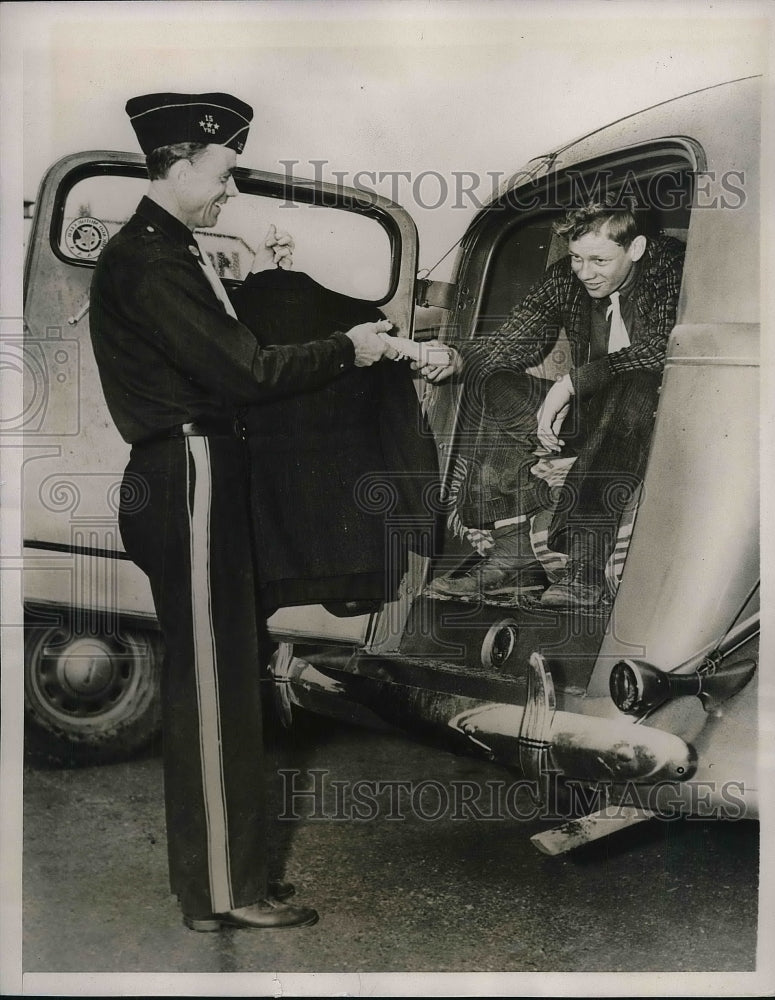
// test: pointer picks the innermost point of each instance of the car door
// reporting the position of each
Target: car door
(350, 240)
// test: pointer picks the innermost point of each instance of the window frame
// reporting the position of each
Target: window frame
(250, 182)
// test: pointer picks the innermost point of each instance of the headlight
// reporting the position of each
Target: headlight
(637, 686)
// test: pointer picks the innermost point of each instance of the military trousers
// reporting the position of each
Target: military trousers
(184, 520)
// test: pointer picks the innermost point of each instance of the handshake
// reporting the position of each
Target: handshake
(434, 360)
(370, 347)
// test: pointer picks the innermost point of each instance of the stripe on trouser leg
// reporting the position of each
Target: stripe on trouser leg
(206, 674)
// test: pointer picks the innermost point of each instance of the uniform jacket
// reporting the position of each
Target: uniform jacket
(559, 300)
(166, 349)
(344, 475)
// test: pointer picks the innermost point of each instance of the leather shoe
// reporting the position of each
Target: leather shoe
(281, 890)
(491, 581)
(577, 588)
(266, 914)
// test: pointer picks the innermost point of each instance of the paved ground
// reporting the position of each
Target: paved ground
(395, 894)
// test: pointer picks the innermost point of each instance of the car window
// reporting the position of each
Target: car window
(346, 251)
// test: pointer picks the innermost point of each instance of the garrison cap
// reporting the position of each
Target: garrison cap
(166, 119)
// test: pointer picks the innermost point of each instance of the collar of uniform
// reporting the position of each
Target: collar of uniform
(153, 214)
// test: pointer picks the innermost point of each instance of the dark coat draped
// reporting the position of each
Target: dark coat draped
(344, 478)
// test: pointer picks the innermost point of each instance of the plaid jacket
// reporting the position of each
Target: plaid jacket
(559, 300)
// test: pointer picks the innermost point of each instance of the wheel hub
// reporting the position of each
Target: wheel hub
(90, 695)
(81, 677)
(87, 669)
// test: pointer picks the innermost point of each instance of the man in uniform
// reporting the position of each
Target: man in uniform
(615, 294)
(175, 363)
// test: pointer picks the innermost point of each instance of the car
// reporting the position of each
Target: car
(645, 705)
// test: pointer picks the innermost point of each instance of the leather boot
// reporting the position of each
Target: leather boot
(510, 567)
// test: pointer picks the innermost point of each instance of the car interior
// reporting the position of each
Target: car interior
(514, 256)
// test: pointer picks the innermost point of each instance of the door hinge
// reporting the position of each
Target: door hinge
(435, 293)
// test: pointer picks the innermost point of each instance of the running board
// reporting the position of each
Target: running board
(536, 737)
(578, 832)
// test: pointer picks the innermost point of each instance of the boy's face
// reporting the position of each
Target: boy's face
(600, 264)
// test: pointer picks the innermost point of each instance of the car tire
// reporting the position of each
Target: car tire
(90, 698)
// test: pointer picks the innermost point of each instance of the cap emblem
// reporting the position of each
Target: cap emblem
(209, 124)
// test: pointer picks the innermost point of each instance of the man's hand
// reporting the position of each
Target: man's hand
(369, 347)
(435, 372)
(553, 413)
(275, 251)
